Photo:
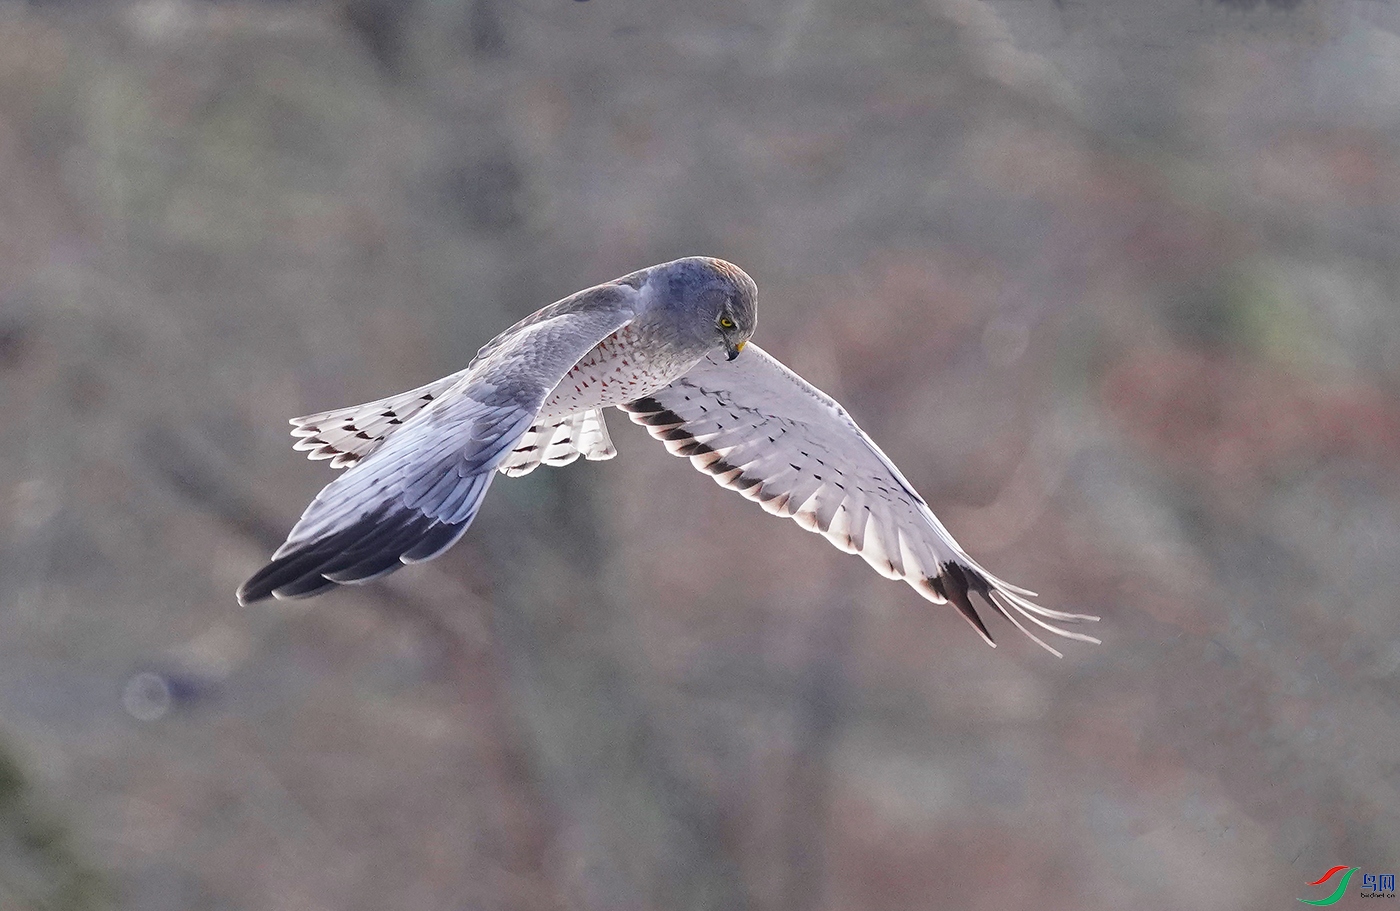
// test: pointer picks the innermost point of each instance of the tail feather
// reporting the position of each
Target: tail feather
(560, 442)
(347, 435)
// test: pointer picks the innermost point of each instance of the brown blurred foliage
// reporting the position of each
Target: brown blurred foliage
(1115, 285)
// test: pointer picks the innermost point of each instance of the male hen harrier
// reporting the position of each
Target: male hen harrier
(668, 346)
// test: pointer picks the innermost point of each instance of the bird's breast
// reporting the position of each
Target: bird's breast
(627, 365)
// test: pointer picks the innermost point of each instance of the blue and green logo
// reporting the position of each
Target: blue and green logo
(1336, 895)
(1373, 885)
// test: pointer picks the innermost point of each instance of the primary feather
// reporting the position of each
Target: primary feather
(418, 488)
(760, 429)
(419, 463)
(666, 344)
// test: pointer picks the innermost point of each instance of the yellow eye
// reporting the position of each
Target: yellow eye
(726, 323)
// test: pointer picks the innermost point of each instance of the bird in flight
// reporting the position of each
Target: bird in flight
(669, 345)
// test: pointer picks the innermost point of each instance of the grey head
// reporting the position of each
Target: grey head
(714, 304)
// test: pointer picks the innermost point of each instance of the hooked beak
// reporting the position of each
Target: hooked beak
(735, 349)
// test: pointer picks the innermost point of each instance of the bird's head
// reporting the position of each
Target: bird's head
(717, 300)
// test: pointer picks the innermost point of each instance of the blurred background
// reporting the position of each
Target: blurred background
(1115, 284)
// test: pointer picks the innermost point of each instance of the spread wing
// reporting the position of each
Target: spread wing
(414, 494)
(758, 428)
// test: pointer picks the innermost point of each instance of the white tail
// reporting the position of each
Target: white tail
(347, 435)
(561, 442)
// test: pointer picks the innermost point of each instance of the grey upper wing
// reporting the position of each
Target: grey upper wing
(347, 435)
(414, 496)
(582, 302)
(760, 429)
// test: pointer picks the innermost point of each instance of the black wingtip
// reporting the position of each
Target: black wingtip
(373, 546)
(953, 584)
(642, 405)
(262, 584)
(277, 580)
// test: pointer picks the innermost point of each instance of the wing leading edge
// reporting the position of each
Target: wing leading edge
(758, 428)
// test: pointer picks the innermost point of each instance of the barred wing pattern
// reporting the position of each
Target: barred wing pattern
(760, 429)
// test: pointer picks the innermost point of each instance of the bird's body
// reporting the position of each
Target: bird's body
(664, 345)
(619, 369)
(615, 371)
